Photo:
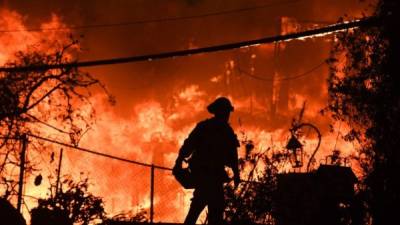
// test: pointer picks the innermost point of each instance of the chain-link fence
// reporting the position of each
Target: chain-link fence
(132, 188)
(171, 201)
(127, 187)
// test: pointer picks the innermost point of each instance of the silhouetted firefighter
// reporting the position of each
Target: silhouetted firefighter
(210, 147)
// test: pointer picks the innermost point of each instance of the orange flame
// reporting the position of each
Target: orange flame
(155, 130)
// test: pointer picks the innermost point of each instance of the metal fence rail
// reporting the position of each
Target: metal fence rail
(127, 185)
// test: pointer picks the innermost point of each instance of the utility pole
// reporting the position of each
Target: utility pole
(24, 139)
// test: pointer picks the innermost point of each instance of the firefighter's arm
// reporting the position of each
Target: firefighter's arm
(234, 160)
(185, 151)
(188, 147)
(235, 168)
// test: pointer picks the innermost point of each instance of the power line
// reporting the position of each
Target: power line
(319, 22)
(306, 73)
(98, 153)
(102, 154)
(160, 20)
(287, 37)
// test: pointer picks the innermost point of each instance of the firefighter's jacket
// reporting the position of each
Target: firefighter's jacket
(211, 146)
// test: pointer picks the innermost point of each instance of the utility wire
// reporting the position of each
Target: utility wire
(160, 20)
(306, 73)
(138, 58)
(106, 155)
(97, 153)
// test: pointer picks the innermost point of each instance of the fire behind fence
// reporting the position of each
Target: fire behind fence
(126, 186)
(135, 188)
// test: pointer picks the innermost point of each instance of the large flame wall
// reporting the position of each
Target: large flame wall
(159, 102)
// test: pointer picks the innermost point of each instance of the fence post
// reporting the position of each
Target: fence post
(59, 172)
(152, 194)
(21, 171)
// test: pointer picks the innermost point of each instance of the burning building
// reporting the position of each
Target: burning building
(159, 102)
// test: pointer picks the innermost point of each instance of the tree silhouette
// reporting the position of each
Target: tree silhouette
(362, 85)
(41, 102)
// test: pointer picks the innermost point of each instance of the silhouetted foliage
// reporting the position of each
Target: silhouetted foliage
(72, 203)
(10, 215)
(34, 101)
(252, 201)
(362, 92)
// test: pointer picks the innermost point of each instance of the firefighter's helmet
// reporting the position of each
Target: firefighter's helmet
(221, 104)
